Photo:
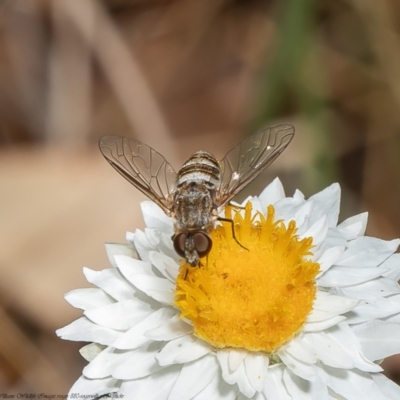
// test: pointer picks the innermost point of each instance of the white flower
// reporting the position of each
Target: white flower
(142, 348)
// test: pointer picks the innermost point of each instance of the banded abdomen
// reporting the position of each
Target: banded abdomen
(201, 167)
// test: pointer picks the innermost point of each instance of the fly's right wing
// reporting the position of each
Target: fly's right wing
(142, 166)
(249, 158)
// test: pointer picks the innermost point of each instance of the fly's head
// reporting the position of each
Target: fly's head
(192, 246)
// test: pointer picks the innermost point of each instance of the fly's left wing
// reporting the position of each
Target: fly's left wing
(142, 166)
(249, 158)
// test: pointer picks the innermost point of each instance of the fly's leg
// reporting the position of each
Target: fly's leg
(201, 265)
(233, 230)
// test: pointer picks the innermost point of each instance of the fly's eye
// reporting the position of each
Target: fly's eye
(202, 243)
(179, 244)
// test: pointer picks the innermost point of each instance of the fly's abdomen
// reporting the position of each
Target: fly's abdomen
(201, 167)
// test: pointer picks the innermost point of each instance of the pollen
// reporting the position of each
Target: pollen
(256, 297)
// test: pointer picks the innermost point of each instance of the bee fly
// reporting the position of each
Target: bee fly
(196, 194)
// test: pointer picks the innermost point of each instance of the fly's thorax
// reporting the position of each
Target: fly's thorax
(193, 206)
(201, 167)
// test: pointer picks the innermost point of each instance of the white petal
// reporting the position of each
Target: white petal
(145, 242)
(379, 287)
(345, 276)
(238, 376)
(345, 336)
(322, 325)
(286, 208)
(392, 264)
(218, 389)
(153, 237)
(158, 289)
(351, 384)
(122, 315)
(129, 389)
(302, 217)
(363, 217)
(184, 349)
(333, 395)
(223, 359)
(335, 238)
(135, 338)
(329, 257)
(140, 363)
(83, 330)
(272, 193)
(88, 298)
(378, 339)
(298, 195)
(152, 240)
(111, 281)
(155, 218)
(317, 231)
(156, 386)
(103, 365)
(243, 382)
(139, 274)
(328, 351)
(296, 348)
(301, 369)
(194, 377)
(393, 318)
(318, 251)
(90, 351)
(256, 365)
(169, 330)
(354, 226)
(367, 252)
(327, 306)
(117, 249)
(166, 265)
(142, 276)
(130, 238)
(352, 231)
(274, 387)
(142, 245)
(93, 387)
(236, 357)
(257, 396)
(301, 389)
(326, 202)
(130, 266)
(390, 389)
(374, 308)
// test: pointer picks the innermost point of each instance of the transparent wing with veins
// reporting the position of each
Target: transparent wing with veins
(142, 166)
(249, 158)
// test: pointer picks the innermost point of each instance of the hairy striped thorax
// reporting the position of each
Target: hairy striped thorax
(202, 187)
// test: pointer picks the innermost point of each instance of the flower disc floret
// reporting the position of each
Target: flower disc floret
(257, 297)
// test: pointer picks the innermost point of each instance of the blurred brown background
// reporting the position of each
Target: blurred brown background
(180, 75)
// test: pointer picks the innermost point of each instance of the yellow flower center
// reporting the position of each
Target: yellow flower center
(256, 299)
